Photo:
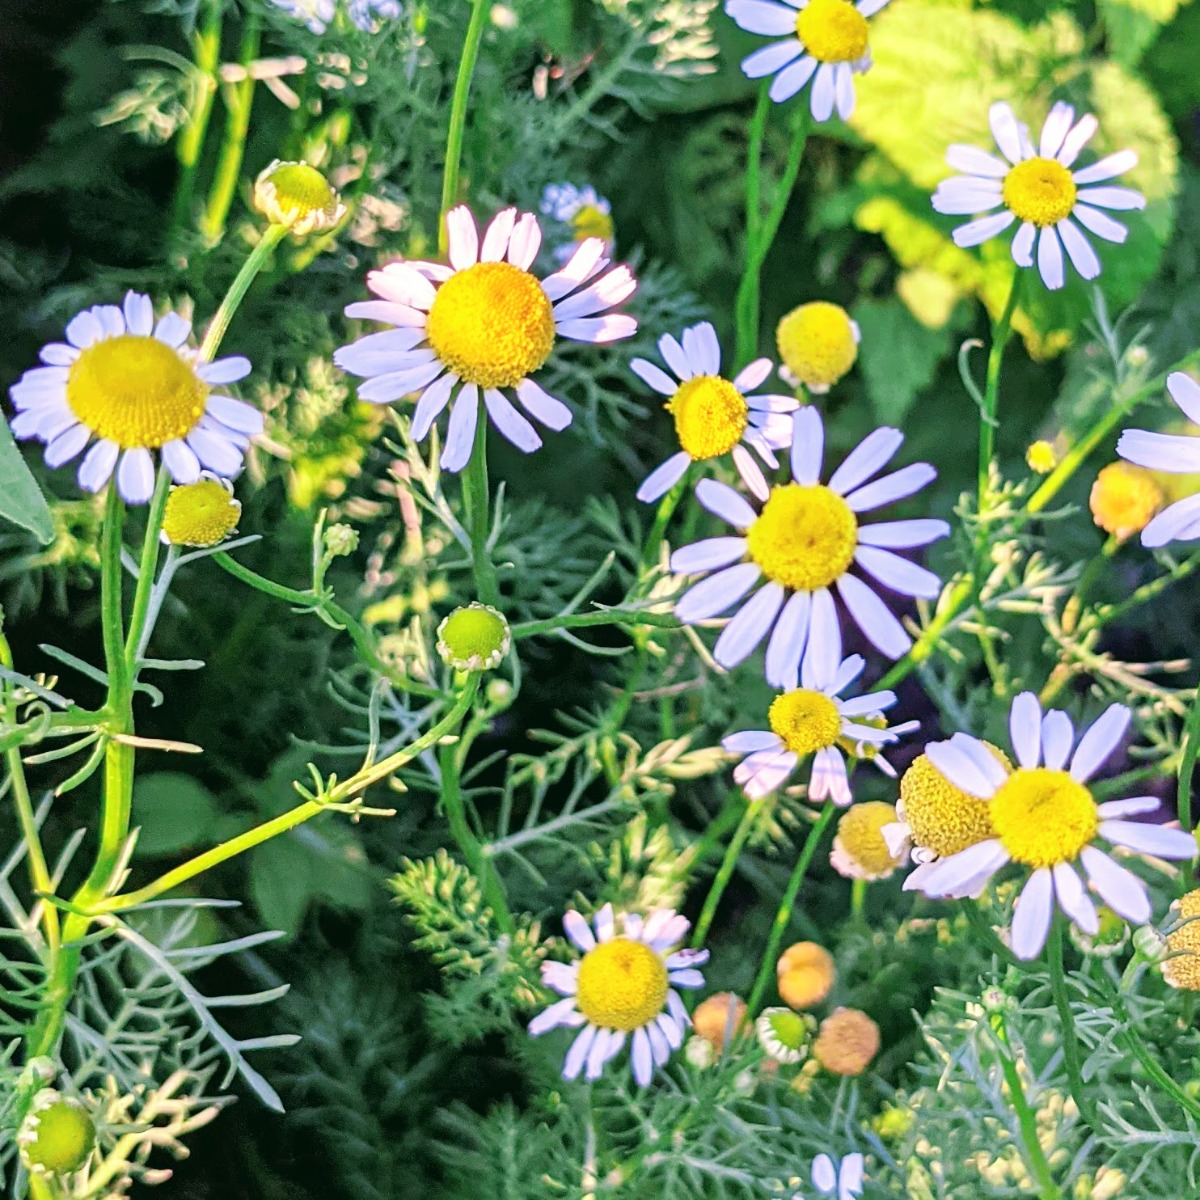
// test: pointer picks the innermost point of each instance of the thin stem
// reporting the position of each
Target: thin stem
(476, 502)
(217, 327)
(1187, 768)
(858, 901)
(746, 331)
(458, 116)
(1035, 1156)
(239, 99)
(925, 645)
(662, 518)
(1072, 1054)
(724, 874)
(603, 616)
(39, 872)
(991, 394)
(147, 567)
(207, 56)
(784, 916)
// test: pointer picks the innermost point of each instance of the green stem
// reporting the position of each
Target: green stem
(1001, 333)
(1147, 591)
(1187, 768)
(207, 56)
(784, 916)
(927, 642)
(724, 874)
(239, 99)
(476, 503)
(39, 872)
(458, 115)
(603, 616)
(1072, 1053)
(215, 333)
(1035, 1156)
(858, 901)
(147, 567)
(662, 518)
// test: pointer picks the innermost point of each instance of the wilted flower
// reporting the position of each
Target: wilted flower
(805, 975)
(201, 513)
(846, 1042)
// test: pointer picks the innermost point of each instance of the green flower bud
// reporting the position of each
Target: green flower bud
(56, 1136)
(475, 638)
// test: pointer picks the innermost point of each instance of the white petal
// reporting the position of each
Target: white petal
(577, 1054)
(898, 573)
(575, 926)
(172, 330)
(1121, 199)
(135, 476)
(525, 243)
(85, 328)
(843, 81)
(1058, 736)
(895, 486)
(510, 422)
(215, 452)
(874, 618)
(1180, 521)
(97, 466)
(562, 978)
(605, 923)
(460, 432)
(583, 264)
(1107, 168)
(828, 777)
(1050, 258)
(1006, 131)
(548, 410)
(750, 473)
(1120, 889)
(752, 375)
(598, 330)
(975, 232)
(1083, 257)
(792, 78)
(225, 370)
(463, 236)
(1025, 729)
(702, 349)
(740, 638)
(950, 876)
(1177, 453)
(823, 653)
(871, 455)
(761, 774)
(674, 357)
(429, 407)
(1055, 128)
(850, 1174)
(717, 593)
(613, 289)
(973, 161)
(707, 555)
(1132, 807)
(496, 238)
(663, 478)
(960, 768)
(181, 461)
(245, 418)
(1031, 921)
(1022, 245)
(761, 16)
(903, 535)
(823, 92)
(722, 501)
(1077, 138)
(1099, 742)
(750, 741)
(1185, 391)
(1150, 839)
(388, 311)
(964, 196)
(384, 389)
(139, 314)
(403, 284)
(551, 1018)
(658, 1044)
(1074, 900)
(67, 445)
(771, 58)
(808, 443)
(654, 377)
(985, 761)
(869, 8)
(824, 1177)
(788, 640)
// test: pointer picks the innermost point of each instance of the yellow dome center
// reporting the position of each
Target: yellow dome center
(622, 985)
(833, 31)
(1182, 970)
(805, 721)
(860, 832)
(492, 324)
(1043, 817)
(1040, 190)
(301, 189)
(135, 391)
(817, 344)
(943, 818)
(200, 514)
(1124, 498)
(591, 221)
(804, 537)
(710, 416)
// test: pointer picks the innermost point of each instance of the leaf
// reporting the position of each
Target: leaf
(175, 812)
(21, 500)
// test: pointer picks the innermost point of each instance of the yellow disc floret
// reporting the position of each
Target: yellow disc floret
(492, 324)
(1043, 817)
(1040, 190)
(860, 846)
(846, 1042)
(804, 720)
(805, 536)
(1124, 499)
(1182, 970)
(832, 31)
(591, 221)
(135, 391)
(622, 985)
(942, 817)
(57, 1136)
(200, 514)
(1041, 457)
(805, 974)
(818, 343)
(297, 195)
(710, 416)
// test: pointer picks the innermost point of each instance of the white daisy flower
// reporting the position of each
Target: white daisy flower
(481, 327)
(826, 41)
(712, 414)
(584, 211)
(841, 1179)
(1045, 818)
(814, 719)
(804, 540)
(134, 385)
(1038, 188)
(1175, 453)
(624, 984)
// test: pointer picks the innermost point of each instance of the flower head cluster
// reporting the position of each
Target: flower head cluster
(131, 383)
(584, 211)
(481, 327)
(317, 15)
(713, 415)
(1037, 187)
(1044, 817)
(623, 987)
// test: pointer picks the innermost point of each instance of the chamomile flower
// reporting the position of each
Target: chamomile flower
(481, 328)
(134, 386)
(1175, 453)
(319, 14)
(584, 211)
(203, 513)
(803, 542)
(625, 984)
(827, 41)
(1038, 188)
(1045, 818)
(713, 415)
(842, 1179)
(814, 720)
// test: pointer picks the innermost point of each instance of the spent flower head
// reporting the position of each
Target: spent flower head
(201, 513)
(805, 974)
(298, 196)
(785, 1035)
(818, 344)
(846, 1042)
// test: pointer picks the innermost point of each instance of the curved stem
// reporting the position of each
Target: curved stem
(477, 504)
(1072, 1054)
(215, 334)
(724, 874)
(1001, 332)
(147, 566)
(784, 916)
(458, 115)
(1035, 1156)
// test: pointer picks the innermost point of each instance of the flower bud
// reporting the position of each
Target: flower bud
(1041, 457)
(299, 196)
(785, 1035)
(340, 540)
(56, 1136)
(474, 638)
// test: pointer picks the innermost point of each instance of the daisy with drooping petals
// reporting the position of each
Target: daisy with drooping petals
(1038, 188)
(481, 327)
(1044, 817)
(1175, 453)
(712, 414)
(134, 385)
(827, 41)
(814, 719)
(624, 984)
(843, 1179)
(804, 540)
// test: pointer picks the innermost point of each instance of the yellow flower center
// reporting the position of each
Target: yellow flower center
(591, 221)
(1043, 817)
(135, 391)
(832, 31)
(1041, 457)
(301, 189)
(622, 985)
(804, 537)
(816, 342)
(859, 833)
(1040, 190)
(1124, 498)
(710, 416)
(944, 818)
(805, 721)
(200, 514)
(492, 324)
(1183, 969)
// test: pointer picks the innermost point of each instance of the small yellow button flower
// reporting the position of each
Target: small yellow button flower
(806, 975)
(474, 638)
(1041, 457)
(847, 1042)
(818, 344)
(201, 513)
(1182, 969)
(860, 850)
(56, 1136)
(299, 196)
(1124, 499)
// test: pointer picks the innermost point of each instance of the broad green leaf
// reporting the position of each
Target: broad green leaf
(21, 500)
(175, 812)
